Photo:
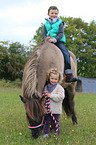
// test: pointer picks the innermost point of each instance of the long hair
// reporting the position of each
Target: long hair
(30, 75)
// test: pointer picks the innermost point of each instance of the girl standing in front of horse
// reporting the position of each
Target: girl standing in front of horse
(53, 31)
(55, 93)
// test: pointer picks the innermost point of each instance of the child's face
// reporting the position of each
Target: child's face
(54, 79)
(53, 14)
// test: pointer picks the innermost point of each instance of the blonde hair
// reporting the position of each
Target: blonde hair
(54, 71)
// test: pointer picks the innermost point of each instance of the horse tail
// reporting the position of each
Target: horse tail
(65, 104)
(30, 75)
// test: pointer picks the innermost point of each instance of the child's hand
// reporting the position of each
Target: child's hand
(47, 38)
(48, 95)
(50, 40)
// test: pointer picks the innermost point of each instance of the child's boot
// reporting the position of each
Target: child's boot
(70, 78)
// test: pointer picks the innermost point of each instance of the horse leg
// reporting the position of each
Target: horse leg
(72, 110)
(65, 103)
(68, 103)
(71, 94)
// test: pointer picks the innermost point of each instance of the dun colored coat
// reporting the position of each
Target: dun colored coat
(45, 57)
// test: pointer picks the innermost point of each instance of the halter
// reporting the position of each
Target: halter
(37, 126)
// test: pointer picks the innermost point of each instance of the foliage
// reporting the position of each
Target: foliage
(14, 130)
(81, 40)
(12, 84)
(37, 39)
(12, 59)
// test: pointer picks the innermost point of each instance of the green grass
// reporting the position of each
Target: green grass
(14, 130)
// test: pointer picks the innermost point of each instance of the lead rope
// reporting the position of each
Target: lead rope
(47, 106)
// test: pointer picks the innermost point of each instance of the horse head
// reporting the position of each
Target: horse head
(35, 112)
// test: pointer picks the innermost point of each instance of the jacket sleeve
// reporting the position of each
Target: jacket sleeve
(44, 32)
(61, 32)
(59, 95)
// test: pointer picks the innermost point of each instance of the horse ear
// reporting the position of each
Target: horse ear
(22, 99)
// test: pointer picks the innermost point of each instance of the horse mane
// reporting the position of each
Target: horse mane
(30, 74)
(35, 108)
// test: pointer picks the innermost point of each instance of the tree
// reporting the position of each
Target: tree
(12, 59)
(37, 39)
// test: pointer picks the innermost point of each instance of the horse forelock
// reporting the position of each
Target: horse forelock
(35, 108)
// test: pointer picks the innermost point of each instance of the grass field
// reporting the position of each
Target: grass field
(14, 130)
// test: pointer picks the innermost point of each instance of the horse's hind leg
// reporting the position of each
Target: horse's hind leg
(69, 103)
(71, 93)
(72, 110)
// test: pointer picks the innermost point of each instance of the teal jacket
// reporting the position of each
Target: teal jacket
(53, 29)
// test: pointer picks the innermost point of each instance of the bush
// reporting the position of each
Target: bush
(17, 83)
(2, 83)
(13, 84)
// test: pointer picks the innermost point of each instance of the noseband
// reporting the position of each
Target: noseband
(34, 127)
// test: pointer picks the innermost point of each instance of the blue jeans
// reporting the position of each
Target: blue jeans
(66, 55)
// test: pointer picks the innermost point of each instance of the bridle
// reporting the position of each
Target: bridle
(28, 122)
(34, 127)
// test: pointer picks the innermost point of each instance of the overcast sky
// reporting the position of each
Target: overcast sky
(19, 19)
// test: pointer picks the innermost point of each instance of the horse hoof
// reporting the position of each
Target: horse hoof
(75, 123)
